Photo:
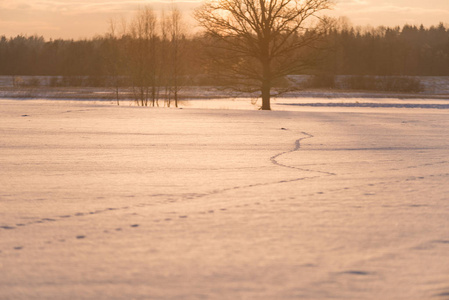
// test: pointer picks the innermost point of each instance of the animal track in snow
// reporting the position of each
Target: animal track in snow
(274, 159)
(190, 196)
(356, 273)
(87, 214)
(194, 195)
(7, 227)
(443, 294)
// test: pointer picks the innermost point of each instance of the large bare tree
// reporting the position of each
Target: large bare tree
(257, 41)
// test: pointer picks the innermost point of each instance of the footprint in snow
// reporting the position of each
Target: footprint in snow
(441, 242)
(444, 295)
(7, 227)
(356, 272)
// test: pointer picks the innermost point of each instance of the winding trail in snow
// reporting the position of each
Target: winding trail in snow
(274, 159)
(182, 197)
(210, 210)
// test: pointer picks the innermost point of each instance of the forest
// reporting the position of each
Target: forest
(409, 50)
(158, 51)
(406, 51)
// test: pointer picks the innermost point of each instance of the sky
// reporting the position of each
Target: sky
(86, 18)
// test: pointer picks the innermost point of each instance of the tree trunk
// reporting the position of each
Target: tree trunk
(116, 94)
(117, 88)
(266, 87)
(176, 98)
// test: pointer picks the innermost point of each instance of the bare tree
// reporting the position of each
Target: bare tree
(164, 58)
(142, 54)
(176, 44)
(172, 54)
(258, 40)
(113, 56)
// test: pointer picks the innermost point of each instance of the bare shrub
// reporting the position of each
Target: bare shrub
(321, 81)
(55, 81)
(384, 83)
(33, 82)
(72, 81)
(96, 81)
(399, 84)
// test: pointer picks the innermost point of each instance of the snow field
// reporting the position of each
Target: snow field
(106, 202)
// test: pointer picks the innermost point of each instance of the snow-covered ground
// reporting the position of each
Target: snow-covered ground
(99, 201)
(438, 91)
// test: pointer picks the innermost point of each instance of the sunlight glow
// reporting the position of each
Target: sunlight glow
(86, 18)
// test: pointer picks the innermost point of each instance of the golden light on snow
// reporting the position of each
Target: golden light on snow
(100, 201)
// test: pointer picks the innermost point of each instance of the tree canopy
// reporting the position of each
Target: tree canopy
(257, 42)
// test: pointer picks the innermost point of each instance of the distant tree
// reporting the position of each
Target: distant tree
(164, 58)
(113, 56)
(258, 40)
(172, 55)
(177, 44)
(142, 56)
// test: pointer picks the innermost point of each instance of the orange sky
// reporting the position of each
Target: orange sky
(87, 18)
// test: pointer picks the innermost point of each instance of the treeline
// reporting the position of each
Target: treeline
(154, 54)
(406, 51)
(151, 54)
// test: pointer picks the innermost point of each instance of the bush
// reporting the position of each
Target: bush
(359, 83)
(72, 81)
(281, 83)
(17, 81)
(33, 82)
(55, 82)
(95, 81)
(383, 83)
(400, 84)
(321, 81)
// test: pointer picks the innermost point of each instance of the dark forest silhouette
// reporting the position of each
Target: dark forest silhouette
(406, 51)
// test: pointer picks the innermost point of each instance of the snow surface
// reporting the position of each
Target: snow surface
(117, 202)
